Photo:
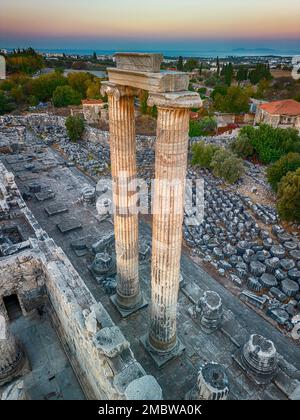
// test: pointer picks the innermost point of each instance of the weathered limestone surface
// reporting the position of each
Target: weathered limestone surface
(139, 61)
(165, 81)
(15, 392)
(170, 172)
(123, 168)
(212, 382)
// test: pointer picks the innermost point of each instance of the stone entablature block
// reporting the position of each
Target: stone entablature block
(139, 62)
(165, 81)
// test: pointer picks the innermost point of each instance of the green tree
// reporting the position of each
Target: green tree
(218, 66)
(75, 127)
(235, 101)
(191, 64)
(242, 73)
(227, 72)
(27, 61)
(270, 143)
(93, 90)
(65, 96)
(180, 64)
(80, 82)
(243, 147)
(279, 169)
(227, 166)
(289, 196)
(261, 71)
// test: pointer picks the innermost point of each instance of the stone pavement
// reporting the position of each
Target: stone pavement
(51, 377)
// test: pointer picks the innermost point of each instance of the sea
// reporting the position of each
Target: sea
(235, 52)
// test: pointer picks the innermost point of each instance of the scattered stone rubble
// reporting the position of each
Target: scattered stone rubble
(231, 239)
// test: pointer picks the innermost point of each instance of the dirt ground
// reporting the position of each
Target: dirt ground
(281, 73)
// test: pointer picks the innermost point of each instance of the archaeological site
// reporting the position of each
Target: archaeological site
(115, 287)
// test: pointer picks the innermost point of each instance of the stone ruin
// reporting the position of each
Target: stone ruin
(42, 276)
(13, 359)
(259, 356)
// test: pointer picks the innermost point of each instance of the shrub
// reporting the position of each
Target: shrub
(203, 154)
(65, 96)
(270, 143)
(279, 169)
(6, 103)
(75, 127)
(288, 204)
(242, 147)
(226, 165)
(44, 86)
(203, 127)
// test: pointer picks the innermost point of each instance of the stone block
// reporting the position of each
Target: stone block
(166, 81)
(139, 61)
(110, 341)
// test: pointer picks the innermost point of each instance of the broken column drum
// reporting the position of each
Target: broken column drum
(123, 168)
(212, 383)
(12, 357)
(210, 311)
(168, 206)
(260, 356)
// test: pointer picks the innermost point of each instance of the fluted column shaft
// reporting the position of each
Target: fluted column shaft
(123, 168)
(168, 205)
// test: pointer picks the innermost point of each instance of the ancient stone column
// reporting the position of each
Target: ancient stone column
(168, 206)
(123, 169)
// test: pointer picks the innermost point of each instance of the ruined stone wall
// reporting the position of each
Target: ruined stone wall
(22, 275)
(99, 353)
(97, 349)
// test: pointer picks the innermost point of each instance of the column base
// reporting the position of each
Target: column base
(128, 311)
(161, 358)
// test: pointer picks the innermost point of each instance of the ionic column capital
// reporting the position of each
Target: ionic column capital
(117, 91)
(181, 100)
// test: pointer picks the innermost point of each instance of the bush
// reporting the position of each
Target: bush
(242, 147)
(203, 127)
(279, 169)
(270, 143)
(226, 165)
(44, 86)
(288, 204)
(203, 154)
(6, 103)
(75, 127)
(65, 96)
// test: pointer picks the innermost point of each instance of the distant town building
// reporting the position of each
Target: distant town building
(284, 114)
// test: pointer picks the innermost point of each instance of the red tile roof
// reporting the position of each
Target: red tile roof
(287, 107)
(91, 102)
